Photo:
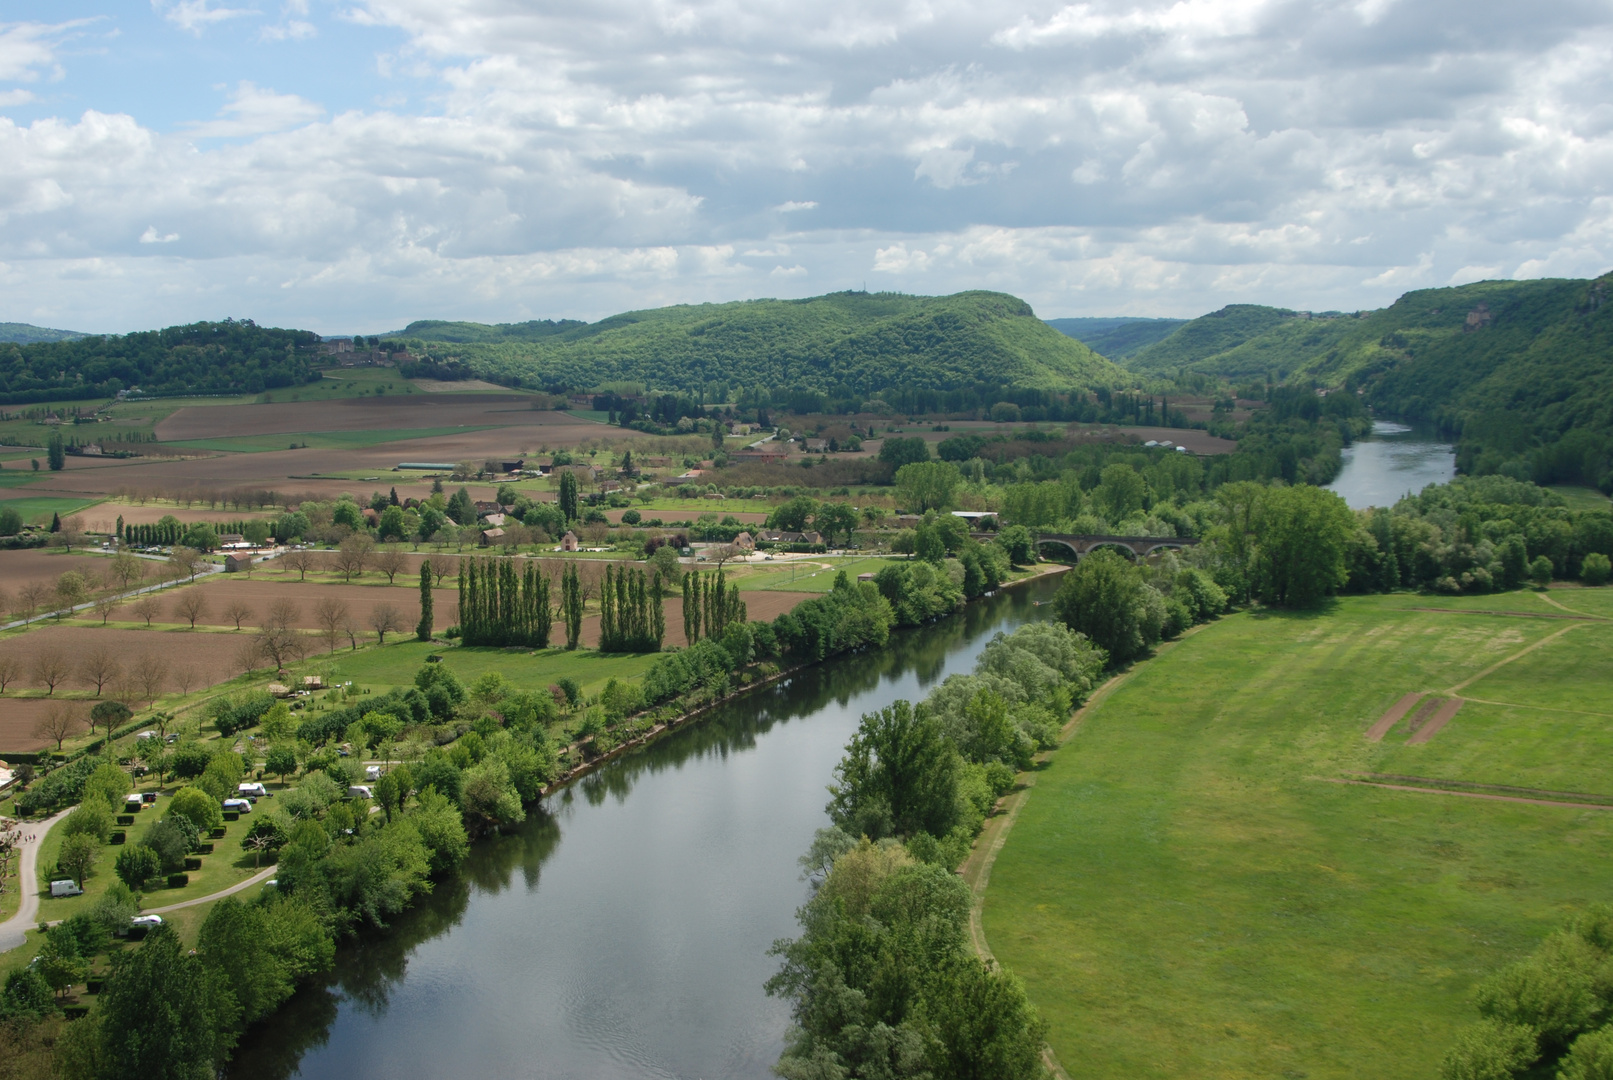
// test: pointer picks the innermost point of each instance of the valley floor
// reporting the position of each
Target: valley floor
(1189, 889)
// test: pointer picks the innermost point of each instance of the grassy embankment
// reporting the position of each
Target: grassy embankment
(1185, 894)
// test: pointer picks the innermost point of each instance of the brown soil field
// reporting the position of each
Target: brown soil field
(393, 411)
(17, 720)
(103, 517)
(211, 657)
(261, 593)
(691, 513)
(765, 606)
(18, 568)
(275, 469)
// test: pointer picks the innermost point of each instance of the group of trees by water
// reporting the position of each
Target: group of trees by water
(882, 980)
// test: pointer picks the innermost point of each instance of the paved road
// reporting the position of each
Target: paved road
(12, 930)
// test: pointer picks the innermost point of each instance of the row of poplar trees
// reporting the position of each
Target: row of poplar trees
(500, 604)
(710, 606)
(630, 615)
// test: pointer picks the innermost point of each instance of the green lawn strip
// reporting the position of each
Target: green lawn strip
(37, 510)
(395, 665)
(226, 866)
(322, 440)
(1182, 898)
(808, 576)
(1581, 498)
(14, 477)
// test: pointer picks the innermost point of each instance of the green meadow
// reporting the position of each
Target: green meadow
(320, 440)
(1188, 890)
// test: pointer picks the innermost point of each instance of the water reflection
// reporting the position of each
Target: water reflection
(1393, 461)
(617, 936)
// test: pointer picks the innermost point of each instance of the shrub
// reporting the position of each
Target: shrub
(178, 881)
(198, 806)
(138, 864)
(1596, 569)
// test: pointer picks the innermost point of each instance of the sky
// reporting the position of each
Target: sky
(350, 166)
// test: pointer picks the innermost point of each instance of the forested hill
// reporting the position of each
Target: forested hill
(1119, 337)
(855, 342)
(221, 357)
(22, 333)
(1521, 372)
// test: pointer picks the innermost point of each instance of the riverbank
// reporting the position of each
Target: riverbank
(1187, 896)
(587, 766)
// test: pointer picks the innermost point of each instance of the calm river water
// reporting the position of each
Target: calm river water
(623, 932)
(1391, 462)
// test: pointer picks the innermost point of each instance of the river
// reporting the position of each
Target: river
(623, 931)
(1393, 461)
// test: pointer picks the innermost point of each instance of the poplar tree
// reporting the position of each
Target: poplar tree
(571, 605)
(568, 495)
(423, 631)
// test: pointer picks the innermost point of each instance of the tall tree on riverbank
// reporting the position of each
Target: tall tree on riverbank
(423, 631)
(691, 608)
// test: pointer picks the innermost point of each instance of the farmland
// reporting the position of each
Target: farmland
(1205, 882)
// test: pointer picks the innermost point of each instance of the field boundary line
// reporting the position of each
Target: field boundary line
(1432, 781)
(1499, 664)
(1463, 794)
(1512, 614)
(1558, 604)
(1541, 708)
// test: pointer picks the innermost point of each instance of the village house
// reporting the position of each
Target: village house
(496, 520)
(817, 446)
(770, 453)
(745, 542)
(777, 537)
(568, 542)
(492, 537)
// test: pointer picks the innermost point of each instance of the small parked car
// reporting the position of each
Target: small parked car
(148, 921)
(240, 806)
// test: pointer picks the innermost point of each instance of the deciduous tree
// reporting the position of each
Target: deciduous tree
(58, 723)
(385, 619)
(192, 605)
(51, 668)
(98, 666)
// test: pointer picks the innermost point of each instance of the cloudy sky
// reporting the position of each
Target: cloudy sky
(348, 166)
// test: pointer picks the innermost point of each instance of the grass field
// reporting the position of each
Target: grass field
(1581, 498)
(321, 440)
(38, 510)
(1185, 894)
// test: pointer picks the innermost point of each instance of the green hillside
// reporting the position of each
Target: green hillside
(862, 343)
(1116, 338)
(21, 333)
(210, 357)
(1519, 371)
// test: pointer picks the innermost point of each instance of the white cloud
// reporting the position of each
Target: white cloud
(194, 15)
(1167, 155)
(254, 110)
(27, 48)
(151, 236)
(290, 30)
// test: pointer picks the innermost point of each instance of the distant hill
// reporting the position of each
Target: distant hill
(211, 357)
(21, 333)
(844, 343)
(1118, 337)
(482, 333)
(1520, 371)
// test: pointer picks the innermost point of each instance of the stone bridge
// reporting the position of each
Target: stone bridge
(1139, 546)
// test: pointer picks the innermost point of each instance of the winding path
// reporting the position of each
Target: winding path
(261, 875)
(13, 931)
